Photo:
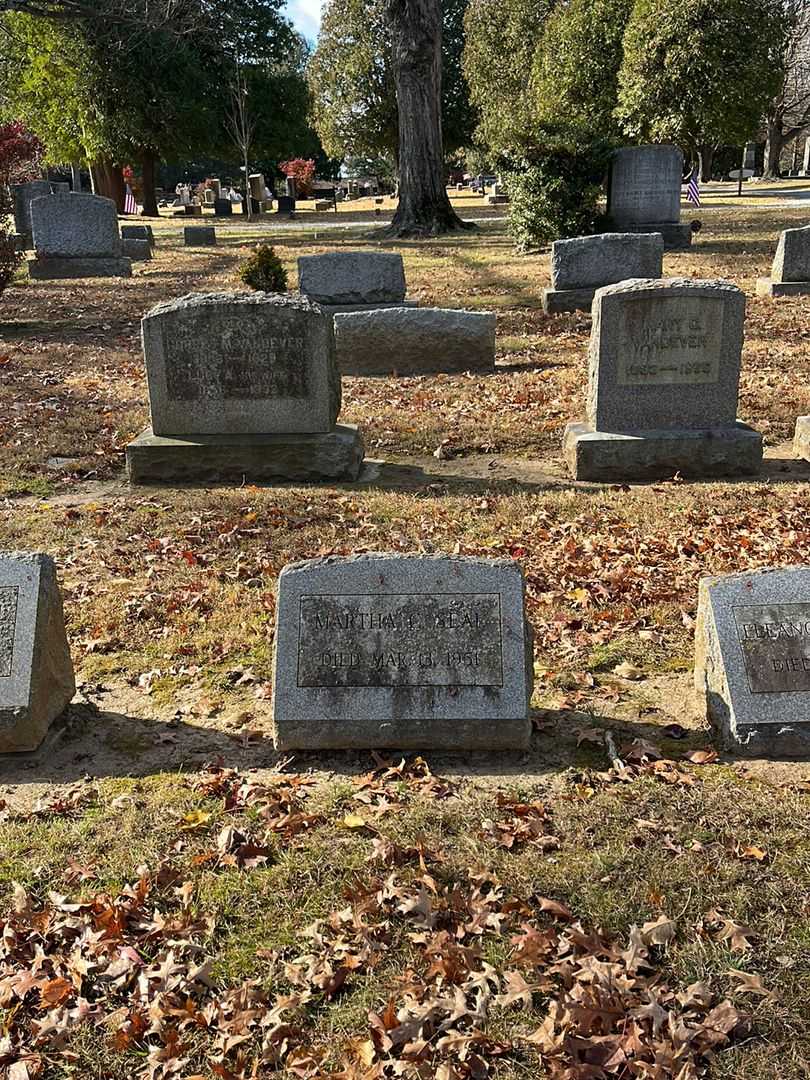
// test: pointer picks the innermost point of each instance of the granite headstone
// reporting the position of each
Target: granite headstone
(644, 193)
(23, 195)
(76, 236)
(790, 275)
(404, 651)
(36, 673)
(583, 264)
(199, 236)
(352, 278)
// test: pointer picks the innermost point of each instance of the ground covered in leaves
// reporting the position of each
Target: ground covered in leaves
(176, 900)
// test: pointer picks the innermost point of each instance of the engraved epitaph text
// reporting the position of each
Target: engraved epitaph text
(673, 340)
(775, 643)
(8, 624)
(400, 640)
(233, 359)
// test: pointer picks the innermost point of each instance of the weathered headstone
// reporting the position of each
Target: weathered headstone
(223, 208)
(138, 232)
(644, 193)
(582, 265)
(136, 249)
(352, 278)
(790, 275)
(199, 236)
(285, 204)
(752, 660)
(414, 341)
(36, 673)
(23, 195)
(242, 384)
(403, 651)
(76, 236)
(664, 371)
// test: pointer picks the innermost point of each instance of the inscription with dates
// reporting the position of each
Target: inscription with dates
(8, 625)
(775, 643)
(400, 640)
(671, 341)
(234, 360)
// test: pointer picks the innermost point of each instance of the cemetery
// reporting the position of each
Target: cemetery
(405, 596)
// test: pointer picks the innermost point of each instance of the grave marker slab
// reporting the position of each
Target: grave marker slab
(583, 264)
(199, 236)
(752, 660)
(790, 275)
(136, 249)
(352, 277)
(23, 194)
(644, 193)
(76, 236)
(36, 673)
(403, 651)
(664, 369)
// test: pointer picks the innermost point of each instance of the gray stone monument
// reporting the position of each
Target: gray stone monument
(414, 341)
(752, 660)
(36, 673)
(199, 236)
(664, 371)
(136, 250)
(138, 232)
(344, 281)
(407, 651)
(584, 264)
(790, 275)
(644, 193)
(76, 236)
(22, 195)
(242, 384)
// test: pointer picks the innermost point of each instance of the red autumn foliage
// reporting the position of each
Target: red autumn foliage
(302, 170)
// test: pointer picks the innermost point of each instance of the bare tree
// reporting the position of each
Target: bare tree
(241, 126)
(789, 114)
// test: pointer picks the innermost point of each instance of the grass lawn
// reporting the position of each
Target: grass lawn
(178, 900)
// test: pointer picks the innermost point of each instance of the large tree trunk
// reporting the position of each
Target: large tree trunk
(108, 180)
(416, 44)
(150, 206)
(705, 159)
(777, 139)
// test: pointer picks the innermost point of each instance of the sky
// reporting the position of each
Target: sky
(306, 17)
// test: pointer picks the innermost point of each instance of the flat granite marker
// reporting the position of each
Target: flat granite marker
(663, 384)
(406, 651)
(347, 281)
(644, 193)
(583, 264)
(36, 673)
(790, 275)
(242, 384)
(752, 660)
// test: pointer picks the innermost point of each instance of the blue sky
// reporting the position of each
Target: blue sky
(306, 16)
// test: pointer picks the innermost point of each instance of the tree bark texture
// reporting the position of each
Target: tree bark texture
(150, 206)
(416, 41)
(108, 180)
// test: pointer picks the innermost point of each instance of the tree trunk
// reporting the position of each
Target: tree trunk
(774, 145)
(416, 41)
(108, 180)
(150, 206)
(705, 159)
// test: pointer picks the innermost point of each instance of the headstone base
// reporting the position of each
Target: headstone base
(333, 455)
(460, 735)
(45, 269)
(656, 455)
(766, 287)
(677, 236)
(556, 301)
(801, 440)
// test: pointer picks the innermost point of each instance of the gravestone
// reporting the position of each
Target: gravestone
(664, 371)
(801, 438)
(138, 232)
(407, 651)
(344, 281)
(223, 208)
(192, 210)
(414, 341)
(136, 249)
(285, 204)
(790, 274)
(644, 193)
(199, 236)
(36, 673)
(76, 236)
(242, 384)
(23, 194)
(752, 660)
(584, 264)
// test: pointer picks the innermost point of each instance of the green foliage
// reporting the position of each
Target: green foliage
(555, 189)
(263, 271)
(352, 84)
(501, 40)
(699, 72)
(576, 67)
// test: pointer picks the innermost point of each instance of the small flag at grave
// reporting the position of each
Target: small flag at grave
(130, 206)
(693, 188)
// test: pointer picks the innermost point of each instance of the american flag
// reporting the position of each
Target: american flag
(693, 188)
(130, 206)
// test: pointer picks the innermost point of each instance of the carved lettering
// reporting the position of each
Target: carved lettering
(775, 643)
(658, 348)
